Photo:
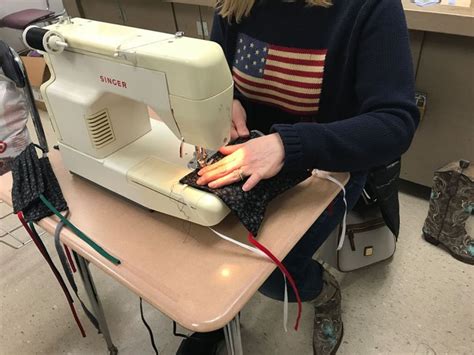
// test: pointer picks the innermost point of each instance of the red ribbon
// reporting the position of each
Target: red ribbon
(283, 269)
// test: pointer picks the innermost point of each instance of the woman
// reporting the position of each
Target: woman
(331, 84)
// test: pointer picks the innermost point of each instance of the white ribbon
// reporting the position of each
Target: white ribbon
(327, 176)
(242, 245)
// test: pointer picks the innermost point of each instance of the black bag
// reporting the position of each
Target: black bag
(381, 189)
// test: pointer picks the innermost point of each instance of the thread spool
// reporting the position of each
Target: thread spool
(44, 40)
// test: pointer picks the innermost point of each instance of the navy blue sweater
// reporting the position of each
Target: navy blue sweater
(336, 83)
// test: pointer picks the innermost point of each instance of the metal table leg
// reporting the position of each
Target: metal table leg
(86, 276)
(233, 338)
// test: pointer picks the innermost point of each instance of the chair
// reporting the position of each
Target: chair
(12, 67)
(19, 20)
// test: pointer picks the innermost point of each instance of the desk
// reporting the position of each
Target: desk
(182, 269)
(441, 18)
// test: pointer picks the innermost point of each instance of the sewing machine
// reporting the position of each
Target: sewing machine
(104, 76)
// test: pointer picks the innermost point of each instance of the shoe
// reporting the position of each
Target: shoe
(328, 328)
(202, 343)
(451, 204)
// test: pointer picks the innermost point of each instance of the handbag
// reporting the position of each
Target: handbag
(368, 241)
(372, 226)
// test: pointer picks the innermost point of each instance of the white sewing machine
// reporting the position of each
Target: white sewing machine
(104, 76)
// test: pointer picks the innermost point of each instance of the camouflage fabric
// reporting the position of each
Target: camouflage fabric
(451, 204)
(328, 328)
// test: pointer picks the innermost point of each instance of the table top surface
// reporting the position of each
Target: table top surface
(182, 269)
(442, 18)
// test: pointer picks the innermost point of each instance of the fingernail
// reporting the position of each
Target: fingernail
(199, 181)
(212, 185)
(200, 172)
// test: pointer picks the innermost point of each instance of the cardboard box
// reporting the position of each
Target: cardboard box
(38, 73)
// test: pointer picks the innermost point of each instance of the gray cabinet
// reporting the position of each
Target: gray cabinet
(188, 20)
(195, 21)
(149, 14)
(446, 133)
(207, 16)
(103, 10)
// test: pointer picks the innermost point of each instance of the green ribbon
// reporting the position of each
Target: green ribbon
(79, 233)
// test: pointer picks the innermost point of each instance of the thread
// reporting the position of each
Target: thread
(44, 40)
(33, 37)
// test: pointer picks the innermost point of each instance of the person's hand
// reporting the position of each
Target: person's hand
(257, 159)
(239, 121)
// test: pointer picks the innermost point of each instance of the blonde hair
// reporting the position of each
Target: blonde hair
(236, 9)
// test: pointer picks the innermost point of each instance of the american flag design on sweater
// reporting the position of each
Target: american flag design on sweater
(288, 78)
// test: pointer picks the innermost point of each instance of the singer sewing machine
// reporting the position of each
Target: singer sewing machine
(104, 76)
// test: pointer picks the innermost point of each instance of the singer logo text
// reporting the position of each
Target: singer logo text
(112, 81)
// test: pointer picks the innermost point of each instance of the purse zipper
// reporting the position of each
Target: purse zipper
(361, 228)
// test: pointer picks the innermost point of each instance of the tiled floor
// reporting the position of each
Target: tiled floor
(420, 303)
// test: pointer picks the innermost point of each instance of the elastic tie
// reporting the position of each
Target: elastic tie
(79, 233)
(331, 178)
(42, 249)
(68, 265)
(242, 245)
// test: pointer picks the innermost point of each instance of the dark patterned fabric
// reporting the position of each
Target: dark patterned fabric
(33, 176)
(249, 206)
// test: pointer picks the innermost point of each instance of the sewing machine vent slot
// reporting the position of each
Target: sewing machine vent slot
(100, 129)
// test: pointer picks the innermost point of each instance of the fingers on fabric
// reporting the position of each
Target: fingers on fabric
(223, 162)
(219, 171)
(228, 179)
(252, 181)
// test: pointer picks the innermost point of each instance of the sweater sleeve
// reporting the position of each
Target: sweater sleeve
(384, 86)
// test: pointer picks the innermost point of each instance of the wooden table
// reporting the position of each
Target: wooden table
(182, 269)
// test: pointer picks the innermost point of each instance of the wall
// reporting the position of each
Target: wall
(13, 37)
